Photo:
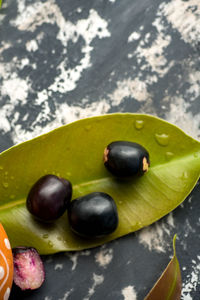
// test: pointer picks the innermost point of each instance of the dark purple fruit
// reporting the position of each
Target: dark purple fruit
(126, 159)
(49, 197)
(93, 215)
(29, 271)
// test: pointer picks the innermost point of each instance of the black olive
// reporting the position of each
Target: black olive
(49, 197)
(93, 215)
(125, 159)
(29, 271)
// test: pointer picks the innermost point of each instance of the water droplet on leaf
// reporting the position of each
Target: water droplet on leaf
(139, 124)
(162, 139)
(169, 155)
(88, 127)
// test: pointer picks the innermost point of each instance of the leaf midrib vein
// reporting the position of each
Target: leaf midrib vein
(77, 186)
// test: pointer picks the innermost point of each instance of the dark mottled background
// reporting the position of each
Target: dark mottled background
(65, 60)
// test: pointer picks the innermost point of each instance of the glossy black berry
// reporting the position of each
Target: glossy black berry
(125, 159)
(49, 197)
(93, 215)
(29, 271)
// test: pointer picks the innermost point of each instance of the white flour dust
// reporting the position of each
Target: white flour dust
(191, 282)
(74, 257)
(184, 16)
(104, 256)
(97, 280)
(129, 293)
(153, 237)
(66, 295)
(29, 18)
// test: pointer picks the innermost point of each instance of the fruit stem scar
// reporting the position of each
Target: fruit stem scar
(145, 164)
(105, 155)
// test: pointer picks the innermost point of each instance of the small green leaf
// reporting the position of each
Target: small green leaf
(75, 152)
(0, 3)
(168, 286)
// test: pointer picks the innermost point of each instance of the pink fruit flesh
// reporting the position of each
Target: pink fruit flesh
(28, 268)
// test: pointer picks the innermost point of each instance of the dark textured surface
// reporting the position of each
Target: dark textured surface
(65, 60)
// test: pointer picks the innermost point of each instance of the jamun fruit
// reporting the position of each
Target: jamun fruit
(28, 268)
(93, 215)
(126, 159)
(49, 197)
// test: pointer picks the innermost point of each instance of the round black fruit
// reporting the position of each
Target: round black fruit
(93, 215)
(125, 159)
(49, 197)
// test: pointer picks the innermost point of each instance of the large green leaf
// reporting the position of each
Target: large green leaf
(75, 152)
(168, 286)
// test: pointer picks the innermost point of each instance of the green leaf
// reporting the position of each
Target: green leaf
(168, 286)
(75, 151)
(0, 3)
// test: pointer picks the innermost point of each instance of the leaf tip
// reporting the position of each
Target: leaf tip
(174, 243)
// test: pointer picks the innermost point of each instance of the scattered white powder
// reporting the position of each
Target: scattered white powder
(74, 257)
(79, 10)
(153, 237)
(129, 88)
(179, 115)
(129, 293)
(133, 36)
(154, 54)
(32, 45)
(104, 256)
(58, 267)
(5, 124)
(194, 81)
(66, 295)
(184, 16)
(88, 29)
(4, 46)
(97, 280)
(191, 282)
(15, 88)
(30, 17)
(24, 62)
(188, 229)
